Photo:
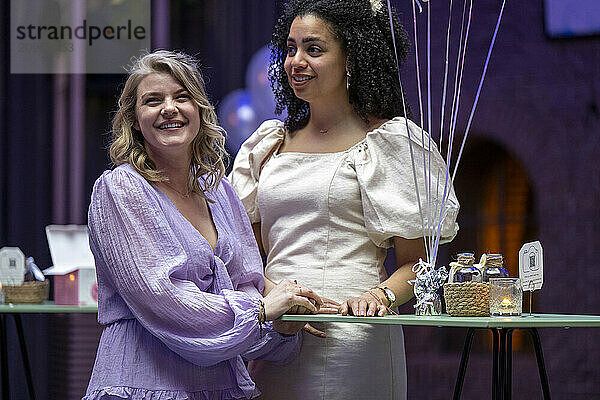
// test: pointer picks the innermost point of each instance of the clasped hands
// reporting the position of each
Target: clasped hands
(304, 300)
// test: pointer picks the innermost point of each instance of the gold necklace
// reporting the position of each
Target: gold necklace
(326, 131)
(183, 195)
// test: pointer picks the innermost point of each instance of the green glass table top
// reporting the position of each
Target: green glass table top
(525, 321)
(45, 307)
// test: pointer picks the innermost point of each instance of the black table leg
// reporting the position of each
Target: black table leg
(463, 363)
(495, 372)
(502, 364)
(539, 355)
(24, 355)
(508, 366)
(4, 359)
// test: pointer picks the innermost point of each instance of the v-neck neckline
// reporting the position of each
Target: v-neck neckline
(210, 214)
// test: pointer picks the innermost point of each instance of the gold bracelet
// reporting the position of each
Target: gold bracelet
(379, 299)
(385, 295)
(262, 316)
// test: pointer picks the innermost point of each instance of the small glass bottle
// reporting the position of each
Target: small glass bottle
(464, 270)
(492, 266)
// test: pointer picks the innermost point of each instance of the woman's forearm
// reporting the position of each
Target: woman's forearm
(407, 253)
(398, 283)
(269, 285)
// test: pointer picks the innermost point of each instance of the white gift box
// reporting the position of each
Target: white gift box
(74, 269)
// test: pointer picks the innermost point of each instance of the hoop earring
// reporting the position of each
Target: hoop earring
(347, 80)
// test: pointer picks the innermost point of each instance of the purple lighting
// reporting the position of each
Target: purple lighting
(566, 18)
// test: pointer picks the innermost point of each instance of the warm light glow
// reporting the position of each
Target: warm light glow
(506, 302)
(71, 277)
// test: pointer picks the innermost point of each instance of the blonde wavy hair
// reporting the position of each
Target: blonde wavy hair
(207, 148)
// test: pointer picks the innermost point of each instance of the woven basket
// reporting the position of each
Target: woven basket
(467, 299)
(34, 292)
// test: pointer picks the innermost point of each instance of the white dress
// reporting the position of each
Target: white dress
(326, 221)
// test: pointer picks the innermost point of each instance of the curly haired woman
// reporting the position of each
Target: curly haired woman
(332, 187)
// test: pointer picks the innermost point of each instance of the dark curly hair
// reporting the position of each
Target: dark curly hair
(367, 41)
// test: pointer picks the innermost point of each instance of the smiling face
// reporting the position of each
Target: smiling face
(166, 114)
(315, 63)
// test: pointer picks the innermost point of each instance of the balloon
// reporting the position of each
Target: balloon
(238, 116)
(257, 82)
(243, 110)
(259, 86)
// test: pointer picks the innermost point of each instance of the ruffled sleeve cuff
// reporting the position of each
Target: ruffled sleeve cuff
(255, 151)
(267, 344)
(275, 347)
(384, 167)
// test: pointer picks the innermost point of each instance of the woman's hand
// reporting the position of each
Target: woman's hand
(298, 309)
(367, 304)
(328, 307)
(288, 327)
(286, 295)
(291, 298)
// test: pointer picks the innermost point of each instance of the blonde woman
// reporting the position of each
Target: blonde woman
(179, 274)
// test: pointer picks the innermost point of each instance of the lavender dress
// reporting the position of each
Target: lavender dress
(178, 315)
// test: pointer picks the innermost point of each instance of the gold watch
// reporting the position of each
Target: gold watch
(388, 293)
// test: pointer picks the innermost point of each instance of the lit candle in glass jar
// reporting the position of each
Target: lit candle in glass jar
(506, 302)
(506, 296)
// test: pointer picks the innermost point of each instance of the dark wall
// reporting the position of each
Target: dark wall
(224, 35)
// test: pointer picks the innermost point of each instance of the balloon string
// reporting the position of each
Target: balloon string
(428, 235)
(458, 88)
(429, 67)
(446, 193)
(418, 4)
(479, 87)
(425, 174)
(417, 63)
(456, 101)
(432, 236)
(445, 76)
(458, 72)
(443, 107)
(389, 6)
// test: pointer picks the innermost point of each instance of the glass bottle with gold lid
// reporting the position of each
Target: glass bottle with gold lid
(464, 270)
(492, 266)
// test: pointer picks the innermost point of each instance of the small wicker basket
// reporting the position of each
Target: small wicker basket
(467, 299)
(33, 292)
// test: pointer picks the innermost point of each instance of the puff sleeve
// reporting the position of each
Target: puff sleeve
(255, 151)
(384, 168)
